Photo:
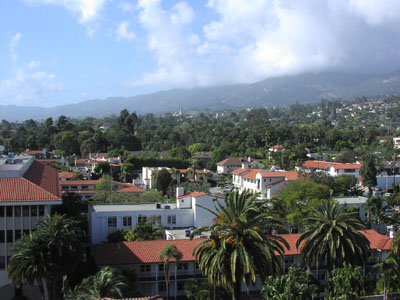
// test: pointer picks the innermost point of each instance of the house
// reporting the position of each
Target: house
(142, 256)
(86, 188)
(45, 156)
(267, 183)
(333, 169)
(233, 163)
(64, 176)
(183, 214)
(28, 190)
(200, 176)
(204, 157)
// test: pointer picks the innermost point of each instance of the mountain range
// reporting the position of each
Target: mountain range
(284, 90)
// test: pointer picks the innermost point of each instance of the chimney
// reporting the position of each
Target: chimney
(180, 191)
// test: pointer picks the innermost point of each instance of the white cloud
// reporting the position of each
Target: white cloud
(33, 64)
(127, 7)
(246, 43)
(26, 86)
(13, 44)
(122, 32)
(86, 10)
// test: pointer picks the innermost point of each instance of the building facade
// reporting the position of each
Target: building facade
(28, 190)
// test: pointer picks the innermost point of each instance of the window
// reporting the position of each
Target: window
(172, 219)
(112, 222)
(17, 211)
(158, 220)
(17, 234)
(321, 275)
(1, 211)
(142, 218)
(41, 210)
(161, 267)
(196, 266)
(182, 266)
(25, 211)
(9, 236)
(9, 211)
(144, 268)
(2, 262)
(162, 286)
(34, 211)
(1, 236)
(180, 285)
(127, 221)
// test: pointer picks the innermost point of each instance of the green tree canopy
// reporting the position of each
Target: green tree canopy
(301, 196)
(163, 180)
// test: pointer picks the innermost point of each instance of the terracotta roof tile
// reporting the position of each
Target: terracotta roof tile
(65, 175)
(317, 164)
(289, 175)
(240, 171)
(131, 189)
(147, 251)
(39, 183)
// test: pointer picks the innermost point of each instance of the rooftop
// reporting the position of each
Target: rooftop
(130, 207)
(124, 253)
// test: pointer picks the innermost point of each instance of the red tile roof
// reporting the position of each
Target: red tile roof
(232, 161)
(44, 176)
(139, 252)
(240, 171)
(39, 183)
(38, 152)
(65, 174)
(147, 251)
(289, 175)
(78, 182)
(131, 189)
(317, 164)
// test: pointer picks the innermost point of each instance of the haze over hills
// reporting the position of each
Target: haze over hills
(285, 90)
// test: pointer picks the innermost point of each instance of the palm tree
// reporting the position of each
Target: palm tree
(106, 283)
(387, 268)
(50, 252)
(331, 234)
(241, 244)
(29, 263)
(146, 231)
(376, 208)
(168, 253)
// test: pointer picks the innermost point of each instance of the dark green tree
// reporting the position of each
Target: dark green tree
(368, 172)
(163, 180)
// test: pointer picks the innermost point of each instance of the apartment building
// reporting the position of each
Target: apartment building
(183, 213)
(28, 190)
(143, 258)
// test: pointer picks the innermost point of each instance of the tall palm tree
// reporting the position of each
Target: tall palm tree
(29, 263)
(168, 253)
(376, 208)
(106, 283)
(241, 244)
(50, 252)
(387, 268)
(331, 234)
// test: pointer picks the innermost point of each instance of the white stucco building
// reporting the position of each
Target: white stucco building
(267, 183)
(28, 190)
(184, 213)
(333, 169)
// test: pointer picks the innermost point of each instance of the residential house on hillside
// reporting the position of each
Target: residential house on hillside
(180, 175)
(28, 190)
(86, 188)
(204, 157)
(233, 163)
(184, 213)
(333, 169)
(45, 156)
(267, 183)
(143, 258)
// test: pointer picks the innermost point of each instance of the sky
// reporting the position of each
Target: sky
(55, 52)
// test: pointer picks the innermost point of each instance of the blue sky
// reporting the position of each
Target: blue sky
(54, 52)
